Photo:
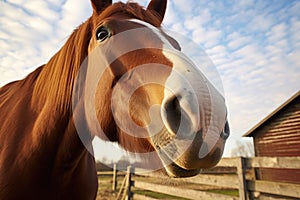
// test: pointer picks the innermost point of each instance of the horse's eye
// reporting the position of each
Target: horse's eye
(102, 34)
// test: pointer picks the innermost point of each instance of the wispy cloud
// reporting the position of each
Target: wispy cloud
(254, 44)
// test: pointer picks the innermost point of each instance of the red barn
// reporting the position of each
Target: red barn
(278, 135)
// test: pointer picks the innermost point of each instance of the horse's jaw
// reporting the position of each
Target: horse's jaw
(184, 157)
(175, 171)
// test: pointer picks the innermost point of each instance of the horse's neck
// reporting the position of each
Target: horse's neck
(31, 139)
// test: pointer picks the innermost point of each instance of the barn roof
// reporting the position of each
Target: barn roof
(251, 132)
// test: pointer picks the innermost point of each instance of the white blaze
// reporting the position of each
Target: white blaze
(198, 98)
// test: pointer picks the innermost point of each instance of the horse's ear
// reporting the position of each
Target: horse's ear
(159, 6)
(100, 5)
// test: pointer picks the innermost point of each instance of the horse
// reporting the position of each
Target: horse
(43, 156)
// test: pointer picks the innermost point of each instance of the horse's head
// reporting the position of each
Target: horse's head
(148, 96)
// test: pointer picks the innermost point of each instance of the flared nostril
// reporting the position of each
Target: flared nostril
(226, 132)
(172, 114)
(178, 117)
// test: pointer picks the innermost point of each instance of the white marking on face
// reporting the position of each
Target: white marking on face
(180, 82)
(200, 100)
(203, 105)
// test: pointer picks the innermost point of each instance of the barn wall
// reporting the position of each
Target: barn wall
(280, 136)
(280, 175)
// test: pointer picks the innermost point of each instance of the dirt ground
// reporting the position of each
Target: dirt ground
(106, 195)
(105, 189)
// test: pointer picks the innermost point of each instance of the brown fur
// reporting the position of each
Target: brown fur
(41, 155)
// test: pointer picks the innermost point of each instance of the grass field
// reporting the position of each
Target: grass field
(105, 188)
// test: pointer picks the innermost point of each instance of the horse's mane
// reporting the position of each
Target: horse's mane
(54, 85)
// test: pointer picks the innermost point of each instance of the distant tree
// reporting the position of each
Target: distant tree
(104, 160)
(244, 148)
(102, 166)
(123, 163)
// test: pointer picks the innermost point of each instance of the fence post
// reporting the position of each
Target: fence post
(128, 184)
(115, 178)
(241, 172)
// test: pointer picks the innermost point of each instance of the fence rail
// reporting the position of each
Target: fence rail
(243, 180)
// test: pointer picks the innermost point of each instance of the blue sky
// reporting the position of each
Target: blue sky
(255, 45)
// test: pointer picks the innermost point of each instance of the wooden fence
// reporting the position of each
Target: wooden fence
(242, 178)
